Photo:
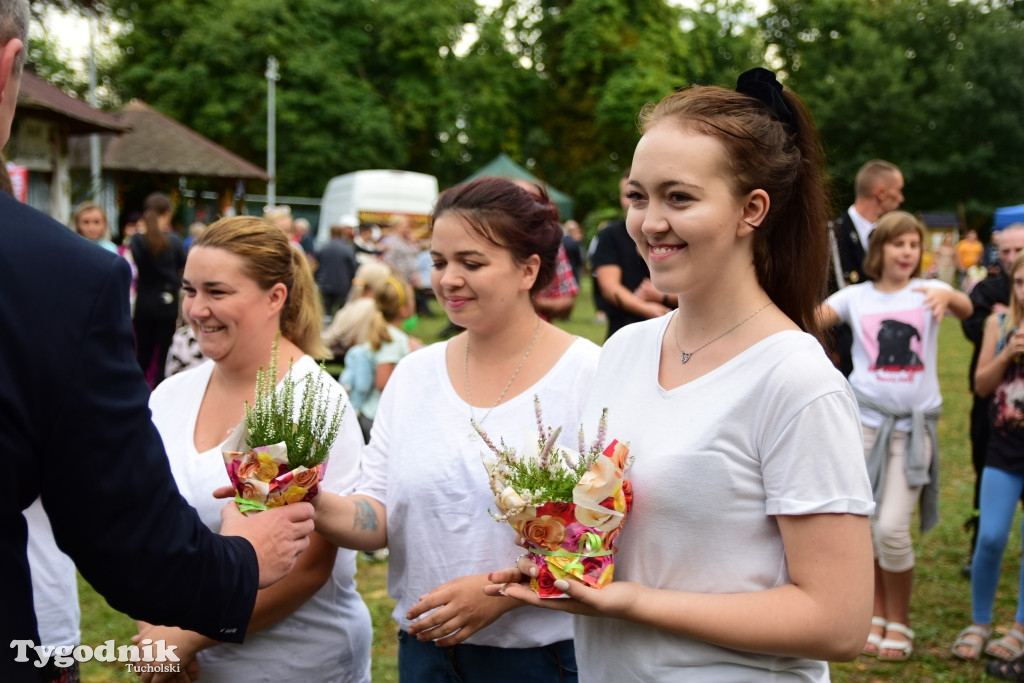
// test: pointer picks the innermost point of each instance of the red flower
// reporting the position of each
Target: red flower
(546, 582)
(559, 509)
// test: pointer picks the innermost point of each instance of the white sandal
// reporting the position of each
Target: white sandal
(874, 639)
(964, 640)
(1015, 651)
(904, 647)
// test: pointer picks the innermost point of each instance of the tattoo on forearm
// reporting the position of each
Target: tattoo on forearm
(365, 518)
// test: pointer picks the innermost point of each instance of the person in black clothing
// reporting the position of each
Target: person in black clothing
(572, 242)
(160, 258)
(621, 276)
(989, 296)
(337, 267)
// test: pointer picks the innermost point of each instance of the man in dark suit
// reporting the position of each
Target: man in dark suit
(75, 431)
(878, 189)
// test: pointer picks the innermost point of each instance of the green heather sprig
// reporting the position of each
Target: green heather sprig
(545, 472)
(270, 419)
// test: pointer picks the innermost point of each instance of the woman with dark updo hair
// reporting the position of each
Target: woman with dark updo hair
(424, 490)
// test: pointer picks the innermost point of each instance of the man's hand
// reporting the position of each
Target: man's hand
(277, 535)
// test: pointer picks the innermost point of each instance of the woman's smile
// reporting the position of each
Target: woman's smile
(457, 302)
(659, 252)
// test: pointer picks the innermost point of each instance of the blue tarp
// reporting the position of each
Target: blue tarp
(1007, 216)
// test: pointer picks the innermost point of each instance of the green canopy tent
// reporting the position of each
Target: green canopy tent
(502, 166)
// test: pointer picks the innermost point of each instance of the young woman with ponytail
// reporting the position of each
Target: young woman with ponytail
(747, 554)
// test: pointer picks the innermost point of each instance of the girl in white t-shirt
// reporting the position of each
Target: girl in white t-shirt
(424, 490)
(746, 555)
(895, 321)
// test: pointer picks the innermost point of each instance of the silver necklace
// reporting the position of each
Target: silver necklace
(508, 385)
(687, 355)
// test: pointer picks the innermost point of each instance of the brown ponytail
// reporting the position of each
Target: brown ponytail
(156, 205)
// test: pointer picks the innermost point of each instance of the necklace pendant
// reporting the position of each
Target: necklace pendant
(684, 356)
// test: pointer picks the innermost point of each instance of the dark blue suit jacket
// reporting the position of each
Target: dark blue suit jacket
(75, 428)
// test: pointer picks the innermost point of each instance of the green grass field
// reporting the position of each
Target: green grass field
(941, 603)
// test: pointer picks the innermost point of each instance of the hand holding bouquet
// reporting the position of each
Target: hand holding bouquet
(271, 458)
(568, 507)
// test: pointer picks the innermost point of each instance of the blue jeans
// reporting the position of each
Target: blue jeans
(1000, 491)
(427, 663)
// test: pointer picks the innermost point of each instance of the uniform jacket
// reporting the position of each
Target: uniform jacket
(851, 251)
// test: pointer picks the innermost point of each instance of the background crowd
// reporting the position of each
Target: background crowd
(727, 186)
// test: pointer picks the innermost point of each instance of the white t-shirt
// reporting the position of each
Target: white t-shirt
(773, 431)
(895, 346)
(328, 638)
(54, 582)
(424, 463)
(862, 225)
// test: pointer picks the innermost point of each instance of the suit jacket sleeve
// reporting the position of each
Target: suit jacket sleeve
(112, 501)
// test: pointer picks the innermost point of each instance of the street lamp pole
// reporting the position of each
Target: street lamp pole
(272, 78)
(94, 139)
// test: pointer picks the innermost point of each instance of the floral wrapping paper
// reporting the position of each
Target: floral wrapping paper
(262, 477)
(575, 539)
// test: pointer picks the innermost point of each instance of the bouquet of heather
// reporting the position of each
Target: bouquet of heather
(568, 507)
(271, 459)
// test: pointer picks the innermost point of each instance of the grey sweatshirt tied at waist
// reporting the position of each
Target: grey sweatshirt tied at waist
(919, 472)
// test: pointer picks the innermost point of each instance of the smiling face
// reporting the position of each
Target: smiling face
(685, 216)
(901, 257)
(91, 224)
(229, 313)
(477, 282)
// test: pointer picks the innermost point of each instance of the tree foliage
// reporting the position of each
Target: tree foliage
(367, 83)
(47, 64)
(932, 85)
(356, 84)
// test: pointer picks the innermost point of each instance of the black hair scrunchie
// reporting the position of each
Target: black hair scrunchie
(762, 85)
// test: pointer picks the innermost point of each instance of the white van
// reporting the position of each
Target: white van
(378, 196)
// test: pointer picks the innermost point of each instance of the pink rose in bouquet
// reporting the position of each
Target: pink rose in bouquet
(569, 508)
